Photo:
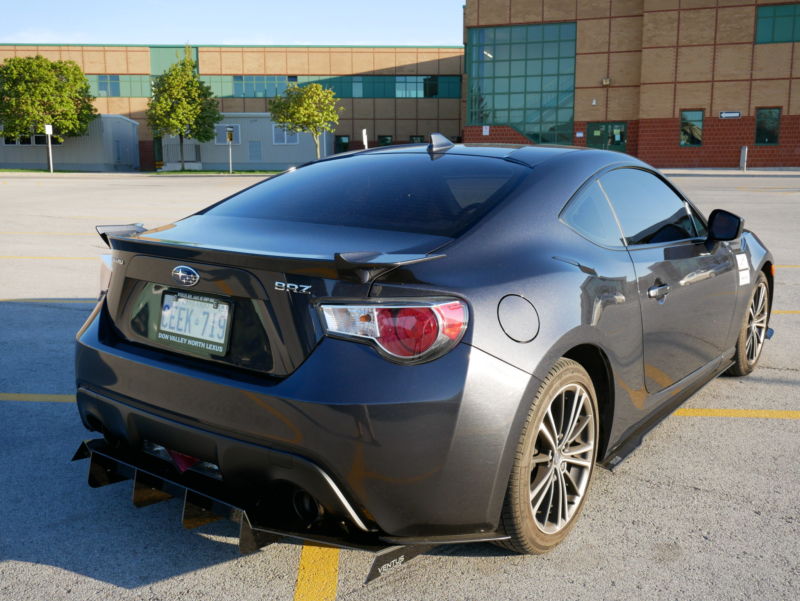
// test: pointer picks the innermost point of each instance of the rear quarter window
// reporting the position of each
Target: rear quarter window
(590, 215)
(412, 192)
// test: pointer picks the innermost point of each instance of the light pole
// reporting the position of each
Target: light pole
(229, 136)
(48, 130)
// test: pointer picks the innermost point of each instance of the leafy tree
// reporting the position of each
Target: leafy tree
(35, 91)
(182, 105)
(310, 108)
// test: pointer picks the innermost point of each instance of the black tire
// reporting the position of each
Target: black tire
(532, 515)
(753, 330)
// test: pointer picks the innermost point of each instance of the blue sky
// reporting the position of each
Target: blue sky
(303, 22)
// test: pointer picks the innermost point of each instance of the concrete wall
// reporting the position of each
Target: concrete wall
(110, 144)
(256, 149)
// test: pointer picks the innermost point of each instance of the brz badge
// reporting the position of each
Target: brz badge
(185, 276)
(295, 288)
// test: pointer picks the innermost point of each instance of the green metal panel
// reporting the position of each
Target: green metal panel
(162, 57)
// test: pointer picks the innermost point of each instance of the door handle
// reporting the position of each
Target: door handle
(658, 291)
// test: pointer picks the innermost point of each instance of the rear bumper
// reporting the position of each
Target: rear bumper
(420, 451)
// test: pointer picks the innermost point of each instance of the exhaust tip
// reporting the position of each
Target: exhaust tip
(306, 507)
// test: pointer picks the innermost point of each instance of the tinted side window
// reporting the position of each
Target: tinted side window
(648, 210)
(590, 215)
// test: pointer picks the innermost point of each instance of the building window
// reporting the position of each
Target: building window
(281, 136)
(768, 122)
(691, 128)
(9, 141)
(108, 85)
(258, 86)
(523, 76)
(775, 24)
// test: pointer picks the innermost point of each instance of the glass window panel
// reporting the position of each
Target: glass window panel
(534, 68)
(516, 117)
(501, 69)
(550, 99)
(566, 49)
(534, 51)
(500, 117)
(518, 34)
(517, 68)
(550, 33)
(517, 84)
(567, 31)
(564, 116)
(518, 51)
(767, 125)
(501, 86)
(786, 10)
(691, 133)
(502, 35)
(533, 116)
(550, 66)
(566, 82)
(590, 214)
(783, 29)
(501, 101)
(566, 99)
(533, 84)
(502, 52)
(550, 50)
(517, 101)
(534, 34)
(764, 30)
(549, 115)
(549, 83)
(566, 65)
(648, 210)
(533, 100)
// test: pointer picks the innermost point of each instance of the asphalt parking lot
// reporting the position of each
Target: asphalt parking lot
(707, 508)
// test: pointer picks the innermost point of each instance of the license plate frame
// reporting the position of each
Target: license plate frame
(194, 344)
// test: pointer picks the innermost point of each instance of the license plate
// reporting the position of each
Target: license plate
(195, 323)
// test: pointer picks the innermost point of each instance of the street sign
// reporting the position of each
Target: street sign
(729, 114)
(48, 129)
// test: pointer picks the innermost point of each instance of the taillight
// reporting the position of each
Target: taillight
(411, 332)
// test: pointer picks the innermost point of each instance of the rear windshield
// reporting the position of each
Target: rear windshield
(402, 192)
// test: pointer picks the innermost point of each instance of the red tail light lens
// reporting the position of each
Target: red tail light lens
(407, 332)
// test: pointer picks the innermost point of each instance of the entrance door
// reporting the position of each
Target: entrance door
(607, 135)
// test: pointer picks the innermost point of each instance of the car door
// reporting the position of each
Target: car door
(687, 290)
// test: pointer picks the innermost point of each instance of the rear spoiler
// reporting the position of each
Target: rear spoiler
(361, 267)
(367, 266)
(119, 230)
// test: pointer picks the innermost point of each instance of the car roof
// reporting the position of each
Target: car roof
(530, 155)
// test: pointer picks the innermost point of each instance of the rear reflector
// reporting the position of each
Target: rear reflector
(403, 331)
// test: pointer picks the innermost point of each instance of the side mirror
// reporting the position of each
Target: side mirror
(723, 226)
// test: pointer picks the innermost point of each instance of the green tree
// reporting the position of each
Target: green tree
(35, 92)
(310, 108)
(182, 105)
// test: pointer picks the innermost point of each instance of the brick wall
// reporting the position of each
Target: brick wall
(722, 142)
(498, 134)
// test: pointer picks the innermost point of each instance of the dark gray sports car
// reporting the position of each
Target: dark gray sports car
(413, 344)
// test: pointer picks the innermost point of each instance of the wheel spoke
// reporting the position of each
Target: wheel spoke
(539, 490)
(580, 427)
(577, 406)
(578, 461)
(579, 450)
(548, 436)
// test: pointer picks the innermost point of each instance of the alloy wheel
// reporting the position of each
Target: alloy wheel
(756, 323)
(563, 458)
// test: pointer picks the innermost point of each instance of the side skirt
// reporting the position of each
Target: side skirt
(668, 400)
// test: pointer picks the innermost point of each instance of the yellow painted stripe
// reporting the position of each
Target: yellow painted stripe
(786, 312)
(38, 398)
(318, 574)
(81, 301)
(26, 257)
(788, 266)
(757, 413)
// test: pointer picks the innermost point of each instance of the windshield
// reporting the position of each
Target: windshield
(407, 192)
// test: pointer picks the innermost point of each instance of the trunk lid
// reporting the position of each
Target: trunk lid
(253, 305)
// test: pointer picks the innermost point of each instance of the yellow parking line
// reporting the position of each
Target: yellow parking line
(757, 413)
(318, 574)
(788, 266)
(38, 398)
(786, 311)
(21, 257)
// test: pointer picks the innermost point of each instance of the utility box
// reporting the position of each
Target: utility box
(385, 140)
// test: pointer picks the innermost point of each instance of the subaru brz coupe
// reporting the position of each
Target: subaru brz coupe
(414, 344)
